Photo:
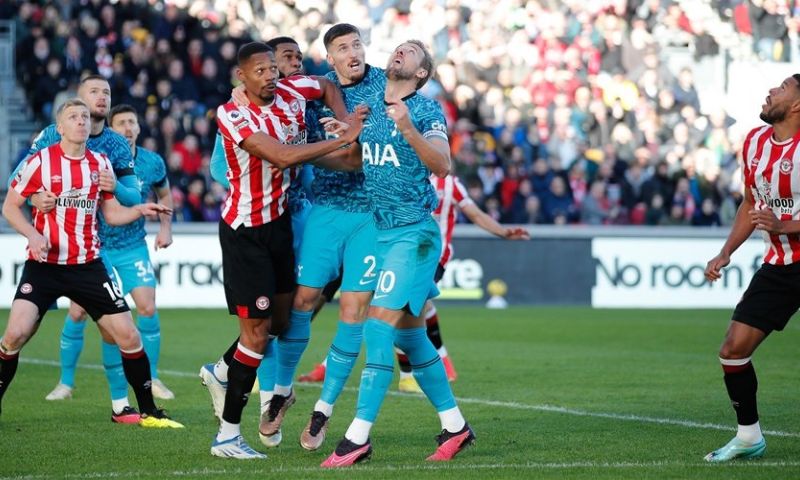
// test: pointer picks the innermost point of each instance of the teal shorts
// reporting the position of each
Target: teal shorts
(337, 242)
(299, 220)
(131, 267)
(408, 257)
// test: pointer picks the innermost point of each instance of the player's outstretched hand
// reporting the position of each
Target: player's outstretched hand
(163, 239)
(44, 201)
(147, 209)
(39, 246)
(516, 233)
(766, 220)
(355, 122)
(715, 265)
(107, 181)
(239, 96)
(333, 126)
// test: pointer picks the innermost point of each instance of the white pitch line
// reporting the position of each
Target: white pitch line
(494, 403)
(277, 469)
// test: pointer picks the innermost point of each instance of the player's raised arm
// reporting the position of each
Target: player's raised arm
(332, 97)
(236, 125)
(481, 219)
(433, 150)
(116, 214)
(344, 159)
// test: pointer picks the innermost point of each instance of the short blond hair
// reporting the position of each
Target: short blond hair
(72, 102)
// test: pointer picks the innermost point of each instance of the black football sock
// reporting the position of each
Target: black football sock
(137, 372)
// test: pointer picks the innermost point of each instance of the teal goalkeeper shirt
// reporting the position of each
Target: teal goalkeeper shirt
(397, 181)
(150, 172)
(346, 190)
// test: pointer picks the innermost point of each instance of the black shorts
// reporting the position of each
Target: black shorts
(439, 273)
(257, 264)
(771, 299)
(88, 285)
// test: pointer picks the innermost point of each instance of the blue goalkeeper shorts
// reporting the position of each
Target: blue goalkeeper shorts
(299, 220)
(408, 257)
(131, 267)
(338, 241)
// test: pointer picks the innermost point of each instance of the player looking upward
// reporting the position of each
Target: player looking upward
(403, 142)
(771, 168)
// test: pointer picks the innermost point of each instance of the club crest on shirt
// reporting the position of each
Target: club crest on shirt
(294, 106)
(95, 177)
(786, 166)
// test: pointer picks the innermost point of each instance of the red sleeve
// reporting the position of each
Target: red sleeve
(29, 178)
(308, 87)
(460, 194)
(235, 123)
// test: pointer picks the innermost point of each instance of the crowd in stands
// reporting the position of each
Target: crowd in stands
(559, 111)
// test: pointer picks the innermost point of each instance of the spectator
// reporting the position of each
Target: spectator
(575, 91)
(595, 208)
(557, 206)
(684, 91)
(655, 210)
(707, 215)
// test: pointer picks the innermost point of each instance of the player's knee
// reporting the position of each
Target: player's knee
(146, 310)
(125, 334)
(129, 339)
(14, 338)
(255, 340)
(351, 313)
(353, 307)
(731, 350)
(305, 299)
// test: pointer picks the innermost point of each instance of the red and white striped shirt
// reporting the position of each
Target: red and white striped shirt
(71, 227)
(451, 193)
(258, 189)
(772, 173)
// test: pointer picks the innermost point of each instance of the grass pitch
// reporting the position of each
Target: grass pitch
(550, 393)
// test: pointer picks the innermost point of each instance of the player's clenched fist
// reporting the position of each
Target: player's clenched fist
(716, 264)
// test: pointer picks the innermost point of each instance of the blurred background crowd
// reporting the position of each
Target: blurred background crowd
(559, 111)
